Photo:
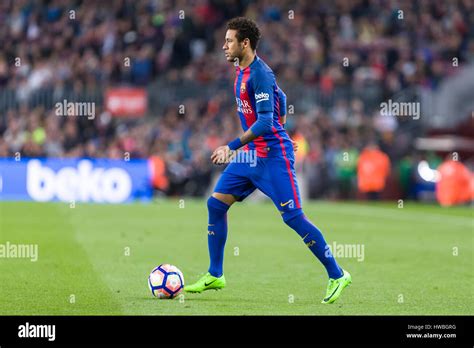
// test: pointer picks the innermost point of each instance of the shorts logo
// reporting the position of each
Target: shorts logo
(290, 204)
(262, 97)
(242, 87)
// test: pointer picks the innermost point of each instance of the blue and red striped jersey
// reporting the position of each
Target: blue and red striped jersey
(256, 91)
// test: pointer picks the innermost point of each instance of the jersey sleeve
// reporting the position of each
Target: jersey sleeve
(263, 89)
(282, 100)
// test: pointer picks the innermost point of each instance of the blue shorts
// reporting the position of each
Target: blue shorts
(274, 176)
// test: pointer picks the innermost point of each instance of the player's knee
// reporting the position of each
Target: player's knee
(216, 206)
(290, 217)
(224, 197)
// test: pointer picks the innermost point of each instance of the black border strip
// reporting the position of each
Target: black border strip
(240, 330)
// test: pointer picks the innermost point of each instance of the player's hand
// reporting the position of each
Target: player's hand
(295, 145)
(220, 155)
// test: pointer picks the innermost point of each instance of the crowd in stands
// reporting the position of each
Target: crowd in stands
(79, 45)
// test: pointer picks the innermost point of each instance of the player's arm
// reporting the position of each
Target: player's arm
(264, 103)
(262, 126)
(282, 99)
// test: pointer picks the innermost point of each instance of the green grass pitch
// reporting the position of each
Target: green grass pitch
(95, 259)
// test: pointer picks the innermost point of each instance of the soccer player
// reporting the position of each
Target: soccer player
(261, 108)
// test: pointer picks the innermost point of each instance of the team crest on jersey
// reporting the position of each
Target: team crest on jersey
(242, 87)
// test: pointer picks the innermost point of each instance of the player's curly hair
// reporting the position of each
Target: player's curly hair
(246, 29)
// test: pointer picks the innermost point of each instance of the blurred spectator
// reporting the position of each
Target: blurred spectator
(373, 169)
(453, 185)
(346, 169)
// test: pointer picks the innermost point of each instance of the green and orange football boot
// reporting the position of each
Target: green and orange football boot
(336, 286)
(207, 282)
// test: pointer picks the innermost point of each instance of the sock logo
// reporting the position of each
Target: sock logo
(211, 233)
(290, 203)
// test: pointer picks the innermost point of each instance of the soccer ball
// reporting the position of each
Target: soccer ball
(166, 281)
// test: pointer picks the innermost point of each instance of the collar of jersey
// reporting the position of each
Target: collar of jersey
(247, 68)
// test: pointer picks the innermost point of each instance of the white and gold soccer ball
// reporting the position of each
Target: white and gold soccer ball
(166, 281)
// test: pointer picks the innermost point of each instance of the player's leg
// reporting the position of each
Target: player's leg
(314, 239)
(217, 206)
(279, 183)
(233, 185)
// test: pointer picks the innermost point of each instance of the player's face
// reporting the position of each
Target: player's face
(232, 48)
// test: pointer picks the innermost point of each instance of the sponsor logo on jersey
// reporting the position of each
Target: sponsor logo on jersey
(244, 106)
(262, 97)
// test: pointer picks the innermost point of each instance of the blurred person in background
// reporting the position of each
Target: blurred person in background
(373, 168)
